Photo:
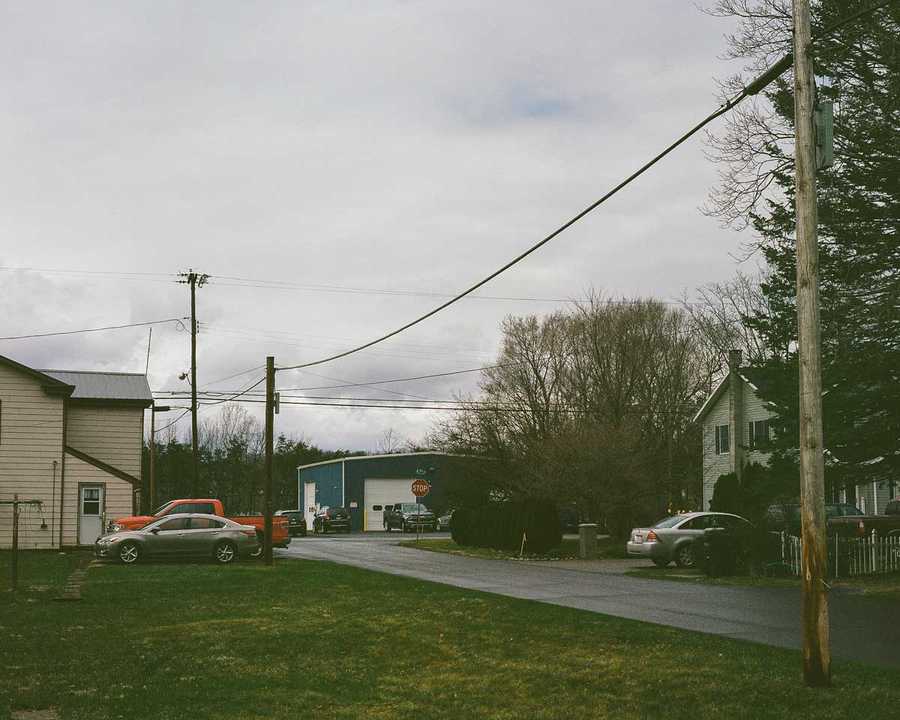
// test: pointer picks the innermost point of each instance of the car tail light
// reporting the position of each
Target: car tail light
(860, 528)
(651, 537)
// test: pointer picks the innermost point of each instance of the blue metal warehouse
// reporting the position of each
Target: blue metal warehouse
(365, 484)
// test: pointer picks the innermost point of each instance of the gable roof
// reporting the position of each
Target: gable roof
(130, 387)
(48, 382)
(752, 376)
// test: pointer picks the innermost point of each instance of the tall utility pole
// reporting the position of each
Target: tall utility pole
(154, 408)
(270, 433)
(816, 648)
(195, 280)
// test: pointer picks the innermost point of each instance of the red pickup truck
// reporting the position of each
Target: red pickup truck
(280, 535)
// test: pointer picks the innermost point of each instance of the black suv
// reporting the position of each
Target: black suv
(409, 516)
(296, 522)
(336, 519)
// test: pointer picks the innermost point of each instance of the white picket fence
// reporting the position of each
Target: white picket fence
(849, 557)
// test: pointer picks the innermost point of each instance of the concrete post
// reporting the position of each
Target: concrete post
(587, 540)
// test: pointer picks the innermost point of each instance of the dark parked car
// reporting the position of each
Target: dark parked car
(181, 535)
(841, 519)
(408, 517)
(332, 520)
(296, 521)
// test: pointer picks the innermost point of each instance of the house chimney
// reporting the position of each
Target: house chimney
(736, 414)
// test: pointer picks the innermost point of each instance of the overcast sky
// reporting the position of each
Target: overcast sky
(373, 145)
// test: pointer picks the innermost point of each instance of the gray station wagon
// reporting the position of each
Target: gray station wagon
(673, 538)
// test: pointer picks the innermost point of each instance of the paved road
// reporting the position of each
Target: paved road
(861, 629)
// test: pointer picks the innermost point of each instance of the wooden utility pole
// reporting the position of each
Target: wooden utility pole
(816, 647)
(154, 408)
(194, 280)
(150, 505)
(270, 433)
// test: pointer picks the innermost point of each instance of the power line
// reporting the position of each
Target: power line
(721, 110)
(90, 330)
(165, 427)
(752, 88)
(384, 382)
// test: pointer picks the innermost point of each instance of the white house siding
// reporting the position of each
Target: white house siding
(117, 495)
(755, 409)
(866, 496)
(31, 438)
(714, 465)
(108, 433)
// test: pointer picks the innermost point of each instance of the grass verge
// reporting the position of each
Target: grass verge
(568, 550)
(315, 639)
(42, 573)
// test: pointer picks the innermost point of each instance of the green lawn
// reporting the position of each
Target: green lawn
(312, 639)
(884, 587)
(568, 550)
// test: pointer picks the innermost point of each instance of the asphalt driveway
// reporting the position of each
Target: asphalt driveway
(861, 628)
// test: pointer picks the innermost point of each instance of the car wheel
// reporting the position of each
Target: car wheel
(684, 556)
(660, 563)
(225, 553)
(129, 552)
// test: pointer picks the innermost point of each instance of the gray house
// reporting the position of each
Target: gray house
(73, 441)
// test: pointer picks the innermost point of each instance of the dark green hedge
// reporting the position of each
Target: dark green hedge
(501, 526)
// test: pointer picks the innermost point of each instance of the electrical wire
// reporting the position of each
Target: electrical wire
(721, 110)
(381, 382)
(90, 330)
(753, 88)
(165, 427)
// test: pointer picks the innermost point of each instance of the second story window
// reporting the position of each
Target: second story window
(759, 434)
(723, 444)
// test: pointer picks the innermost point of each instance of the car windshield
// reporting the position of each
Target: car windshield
(669, 521)
(412, 507)
(161, 509)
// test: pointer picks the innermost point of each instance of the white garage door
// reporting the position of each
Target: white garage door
(379, 493)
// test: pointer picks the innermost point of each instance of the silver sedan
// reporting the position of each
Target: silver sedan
(673, 538)
(181, 535)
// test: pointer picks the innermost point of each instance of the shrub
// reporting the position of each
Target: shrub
(461, 526)
(501, 526)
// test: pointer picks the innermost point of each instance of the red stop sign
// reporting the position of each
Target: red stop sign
(420, 487)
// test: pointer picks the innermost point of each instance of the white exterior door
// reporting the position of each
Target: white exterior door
(378, 493)
(90, 514)
(309, 504)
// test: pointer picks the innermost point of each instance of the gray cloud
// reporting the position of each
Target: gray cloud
(395, 145)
